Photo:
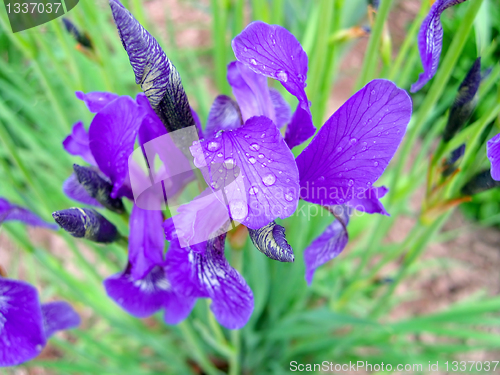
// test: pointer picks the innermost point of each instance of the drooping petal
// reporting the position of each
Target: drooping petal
(75, 191)
(96, 100)
(430, 41)
(300, 128)
(369, 201)
(209, 275)
(77, 143)
(271, 241)
(58, 316)
(493, 153)
(329, 244)
(254, 169)
(251, 91)
(98, 188)
(281, 108)
(142, 298)
(9, 211)
(112, 135)
(224, 115)
(157, 76)
(274, 52)
(146, 241)
(353, 148)
(21, 327)
(86, 223)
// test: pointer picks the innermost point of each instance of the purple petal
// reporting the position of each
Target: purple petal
(493, 153)
(368, 201)
(9, 211)
(224, 115)
(329, 244)
(300, 128)
(281, 108)
(146, 241)
(255, 170)
(353, 148)
(21, 327)
(209, 275)
(274, 52)
(142, 298)
(251, 91)
(197, 122)
(58, 316)
(77, 192)
(77, 143)
(96, 101)
(112, 135)
(157, 76)
(430, 41)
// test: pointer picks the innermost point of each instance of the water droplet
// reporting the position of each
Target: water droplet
(239, 209)
(263, 165)
(340, 174)
(219, 154)
(253, 62)
(368, 184)
(289, 197)
(351, 182)
(287, 180)
(301, 78)
(253, 190)
(282, 75)
(353, 141)
(322, 178)
(261, 156)
(252, 160)
(263, 135)
(339, 149)
(398, 131)
(214, 185)
(245, 49)
(375, 164)
(269, 179)
(247, 136)
(354, 157)
(341, 200)
(229, 163)
(254, 147)
(213, 146)
(274, 42)
(373, 92)
(386, 133)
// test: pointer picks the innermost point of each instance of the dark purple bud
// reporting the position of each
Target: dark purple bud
(465, 101)
(81, 38)
(86, 223)
(479, 183)
(271, 241)
(450, 164)
(98, 188)
(157, 76)
(374, 3)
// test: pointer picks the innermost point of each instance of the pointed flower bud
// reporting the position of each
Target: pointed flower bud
(479, 183)
(271, 241)
(98, 188)
(465, 101)
(450, 164)
(86, 223)
(157, 76)
(81, 38)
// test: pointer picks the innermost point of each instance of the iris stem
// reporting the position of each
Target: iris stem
(234, 361)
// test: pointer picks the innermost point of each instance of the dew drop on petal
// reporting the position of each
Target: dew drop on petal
(252, 160)
(261, 156)
(289, 197)
(269, 179)
(353, 141)
(254, 147)
(351, 182)
(282, 75)
(253, 190)
(375, 164)
(239, 209)
(245, 49)
(253, 62)
(373, 92)
(322, 178)
(213, 146)
(339, 149)
(219, 154)
(229, 163)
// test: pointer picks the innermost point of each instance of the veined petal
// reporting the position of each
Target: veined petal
(146, 241)
(73, 189)
(353, 148)
(281, 108)
(329, 244)
(271, 241)
(21, 328)
(112, 135)
(368, 201)
(251, 91)
(274, 52)
(58, 316)
(96, 100)
(493, 153)
(77, 143)
(224, 115)
(157, 76)
(209, 275)
(254, 169)
(9, 211)
(430, 41)
(300, 128)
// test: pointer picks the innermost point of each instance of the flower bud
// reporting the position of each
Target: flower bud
(86, 223)
(98, 188)
(271, 241)
(450, 164)
(81, 38)
(479, 183)
(465, 101)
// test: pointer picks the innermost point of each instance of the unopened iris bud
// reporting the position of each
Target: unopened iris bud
(86, 223)
(271, 241)
(81, 38)
(479, 183)
(450, 164)
(464, 103)
(98, 188)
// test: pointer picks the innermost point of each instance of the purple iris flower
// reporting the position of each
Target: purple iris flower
(25, 324)
(493, 153)
(430, 41)
(9, 211)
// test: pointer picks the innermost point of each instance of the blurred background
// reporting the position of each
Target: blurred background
(403, 292)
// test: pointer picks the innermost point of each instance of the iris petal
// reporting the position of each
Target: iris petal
(224, 115)
(493, 153)
(77, 143)
(74, 190)
(96, 100)
(9, 211)
(58, 316)
(369, 201)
